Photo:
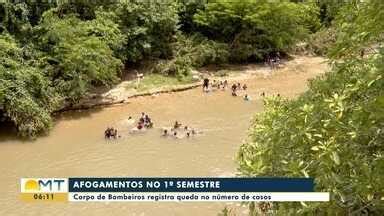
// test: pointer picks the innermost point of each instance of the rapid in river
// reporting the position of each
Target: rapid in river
(76, 145)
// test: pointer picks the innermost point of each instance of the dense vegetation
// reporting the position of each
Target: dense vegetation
(334, 131)
(54, 52)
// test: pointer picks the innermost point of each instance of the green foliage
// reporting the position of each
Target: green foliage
(187, 9)
(83, 9)
(148, 27)
(64, 58)
(334, 131)
(329, 9)
(193, 52)
(78, 53)
(359, 26)
(108, 31)
(14, 19)
(201, 51)
(320, 42)
(310, 13)
(255, 28)
(25, 95)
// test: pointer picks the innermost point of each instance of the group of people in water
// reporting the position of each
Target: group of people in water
(145, 122)
(207, 86)
(238, 87)
(272, 60)
(177, 130)
(110, 133)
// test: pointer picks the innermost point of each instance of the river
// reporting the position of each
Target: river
(76, 146)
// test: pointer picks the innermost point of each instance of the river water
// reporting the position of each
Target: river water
(76, 147)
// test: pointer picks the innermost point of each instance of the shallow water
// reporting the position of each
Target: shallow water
(76, 147)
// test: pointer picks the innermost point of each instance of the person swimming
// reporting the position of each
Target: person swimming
(175, 135)
(165, 133)
(246, 97)
(214, 84)
(140, 125)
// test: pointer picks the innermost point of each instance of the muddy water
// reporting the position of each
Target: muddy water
(76, 147)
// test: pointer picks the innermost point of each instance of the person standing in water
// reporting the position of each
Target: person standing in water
(234, 88)
(206, 84)
(142, 118)
(176, 125)
(225, 84)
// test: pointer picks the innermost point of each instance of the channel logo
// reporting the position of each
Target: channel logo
(44, 185)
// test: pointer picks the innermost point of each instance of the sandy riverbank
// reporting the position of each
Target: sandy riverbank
(123, 92)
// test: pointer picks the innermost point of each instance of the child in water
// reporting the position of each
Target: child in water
(225, 84)
(165, 133)
(246, 97)
(175, 135)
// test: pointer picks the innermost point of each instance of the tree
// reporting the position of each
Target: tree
(26, 98)
(148, 27)
(77, 53)
(333, 132)
(254, 28)
(14, 19)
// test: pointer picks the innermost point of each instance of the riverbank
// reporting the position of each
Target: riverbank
(154, 84)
